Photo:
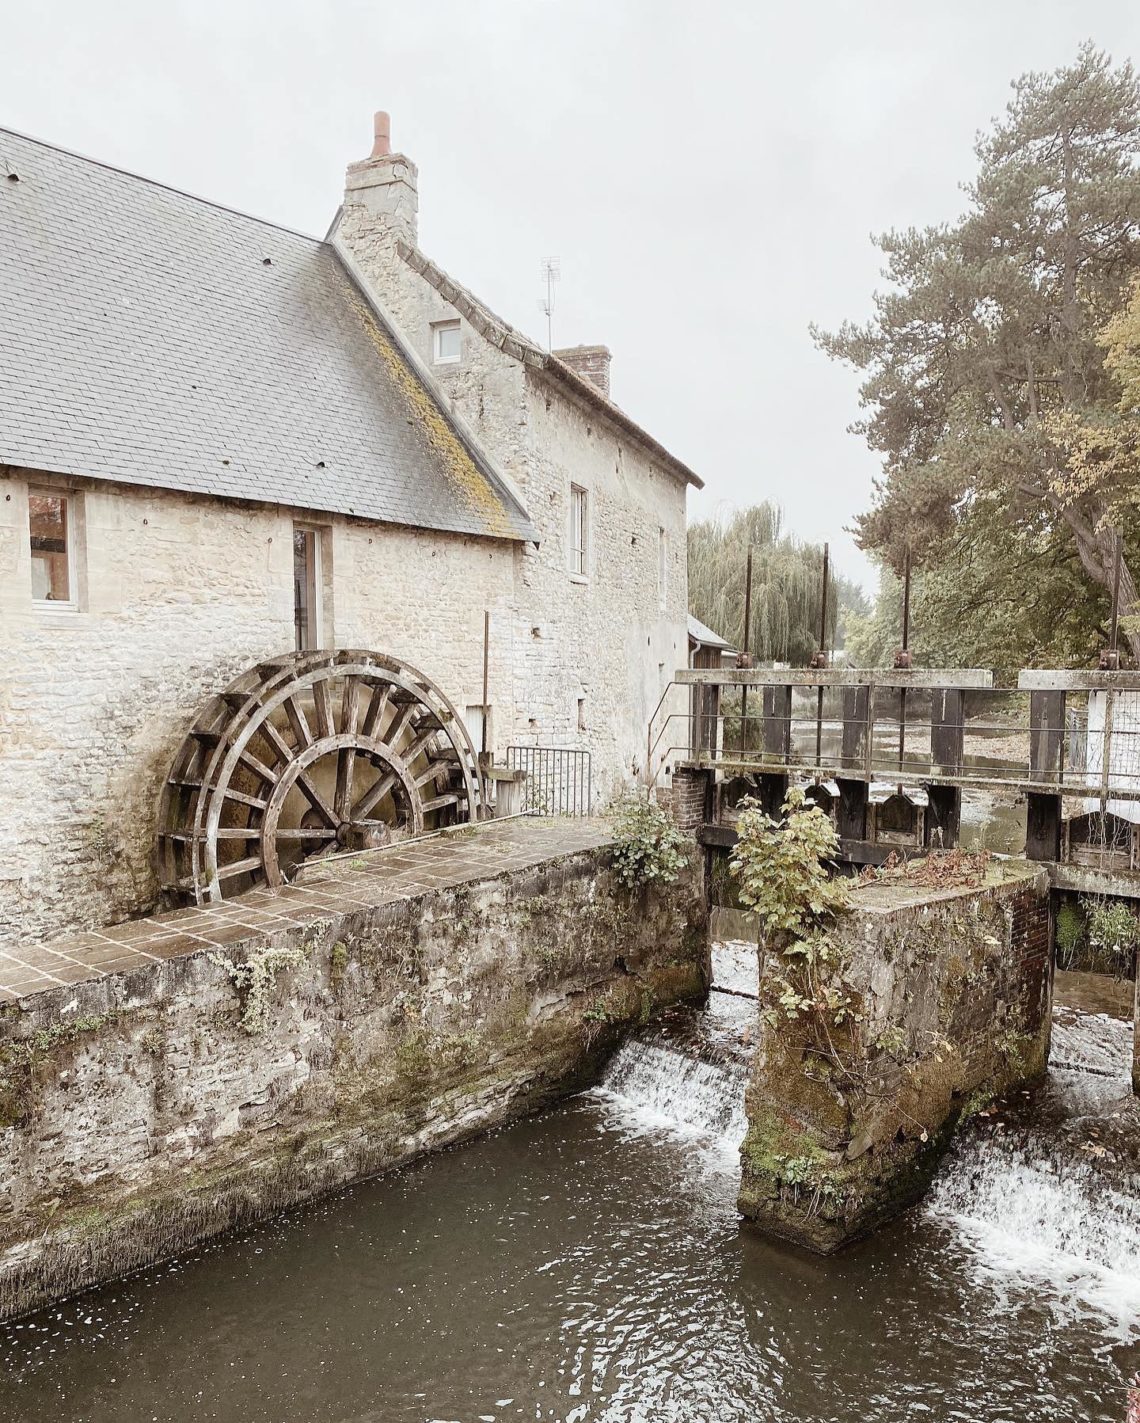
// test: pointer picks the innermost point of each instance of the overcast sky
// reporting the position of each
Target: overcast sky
(708, 175)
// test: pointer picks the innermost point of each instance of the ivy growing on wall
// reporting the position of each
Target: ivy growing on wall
(255, 978)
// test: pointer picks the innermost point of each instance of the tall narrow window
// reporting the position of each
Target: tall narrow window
(579, 530)
(306, 587)
(662, 566)
(53, 547)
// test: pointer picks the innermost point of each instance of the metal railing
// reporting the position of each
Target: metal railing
(559, 780)
(1070, 732)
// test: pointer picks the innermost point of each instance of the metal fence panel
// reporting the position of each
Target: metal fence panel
(559, 780)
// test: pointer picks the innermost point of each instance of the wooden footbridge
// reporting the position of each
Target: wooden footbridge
(891, 753)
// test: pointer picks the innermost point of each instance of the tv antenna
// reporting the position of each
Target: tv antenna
(551, 272)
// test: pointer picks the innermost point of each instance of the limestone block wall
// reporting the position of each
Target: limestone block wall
(952, 993)
(612, 641)
(177, 595)
(607, 641)
(139, 1113)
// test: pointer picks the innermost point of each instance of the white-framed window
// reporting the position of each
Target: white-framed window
(445, 343)
(662, 567)
(579, 531)
(307, 587)
(51, 529)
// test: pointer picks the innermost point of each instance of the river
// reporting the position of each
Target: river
(589, 1264)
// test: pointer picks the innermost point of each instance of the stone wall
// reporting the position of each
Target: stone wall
(951, 994)
(179, 594)
(145, 1112)
(592, 656)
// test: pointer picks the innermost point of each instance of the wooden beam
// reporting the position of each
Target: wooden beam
(1076, 786)
(1061, 679)
(968, 678)
(1046, 735)
(1043, 827)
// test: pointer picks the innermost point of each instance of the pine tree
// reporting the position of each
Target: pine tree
(984, 367)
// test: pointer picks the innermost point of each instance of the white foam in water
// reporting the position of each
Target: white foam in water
(1033, 1209)
(1091, 1042)
(659, 1089)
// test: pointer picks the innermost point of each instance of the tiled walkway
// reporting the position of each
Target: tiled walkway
(348, 882)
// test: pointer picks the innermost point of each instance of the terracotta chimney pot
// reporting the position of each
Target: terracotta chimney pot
(381, 135)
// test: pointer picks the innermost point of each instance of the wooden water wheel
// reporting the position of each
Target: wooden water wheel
(305, 755)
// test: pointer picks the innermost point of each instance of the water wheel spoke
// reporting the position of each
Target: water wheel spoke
(254, 802)
(300, 832)
(419, 743)
(376, 708)
(322, 702)
(373, 796)
(438, 802)
(258, 767)
(435, 768)
(350, 701)
(316, 800)
(280, 746)
(297, 720)
(345, 769)
(240, 867)
(400, 724)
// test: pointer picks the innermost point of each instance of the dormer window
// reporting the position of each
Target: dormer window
(445, 342)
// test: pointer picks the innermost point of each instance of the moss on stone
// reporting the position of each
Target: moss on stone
(21, 1059)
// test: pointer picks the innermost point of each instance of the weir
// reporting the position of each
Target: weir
(1039, 1189)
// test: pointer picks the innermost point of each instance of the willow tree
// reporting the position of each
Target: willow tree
(787, 578)
(985, 374)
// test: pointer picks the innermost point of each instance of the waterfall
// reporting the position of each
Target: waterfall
(1048, 1196)
(687, 1074)
(667, 1087)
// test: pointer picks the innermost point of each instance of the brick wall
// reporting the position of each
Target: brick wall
(688, 797)
(591, 362)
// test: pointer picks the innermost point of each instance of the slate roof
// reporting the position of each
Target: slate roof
(702, 633)
(153, 338)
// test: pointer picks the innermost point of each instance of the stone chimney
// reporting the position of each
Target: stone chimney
(385, 185)
(591, 362)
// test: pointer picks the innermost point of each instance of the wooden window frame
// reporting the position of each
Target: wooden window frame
(70, 604)
(316, 579)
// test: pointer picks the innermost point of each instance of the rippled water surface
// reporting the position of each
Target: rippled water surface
(585, 1265)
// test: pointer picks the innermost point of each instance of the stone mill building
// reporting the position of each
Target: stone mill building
(222, 441)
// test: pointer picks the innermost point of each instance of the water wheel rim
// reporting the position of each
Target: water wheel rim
(249, 705)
